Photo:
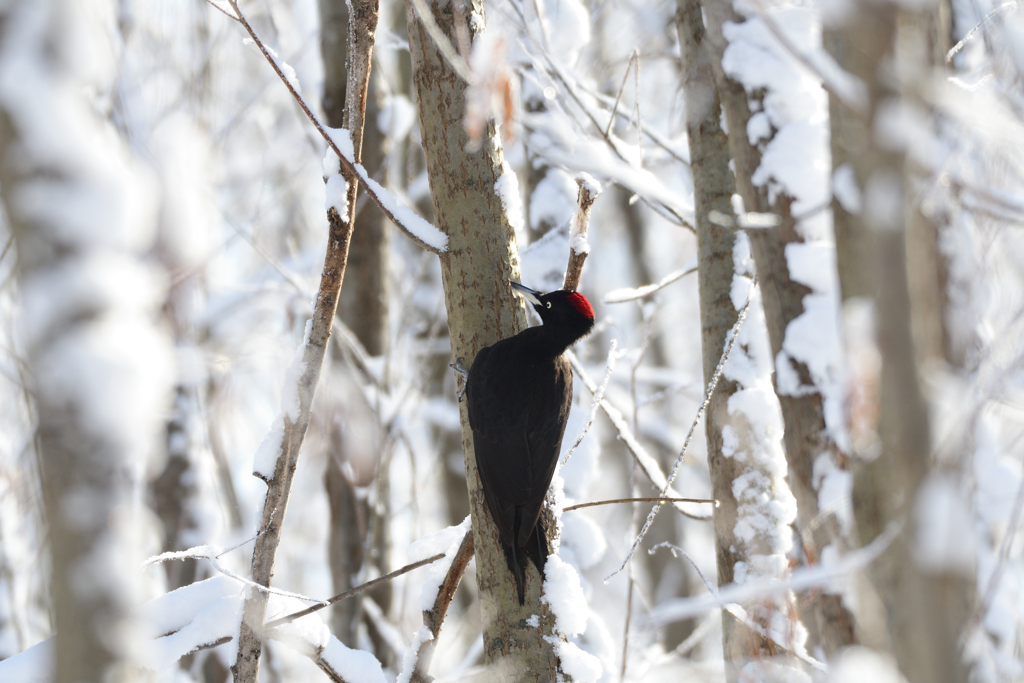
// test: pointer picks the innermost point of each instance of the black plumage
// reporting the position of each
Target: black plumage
(519, 394)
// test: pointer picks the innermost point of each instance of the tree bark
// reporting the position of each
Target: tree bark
(481, 259)
(713, 187)
(806, 438)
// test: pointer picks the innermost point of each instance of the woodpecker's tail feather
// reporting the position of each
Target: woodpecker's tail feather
(536, 549)
(518, 572)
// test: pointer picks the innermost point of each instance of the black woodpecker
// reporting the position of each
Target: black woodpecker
(520, 391)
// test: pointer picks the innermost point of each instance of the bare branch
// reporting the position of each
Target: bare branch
(619, 296)
(648, 465)
(711, 501)
(353, 591)
(733, 335)
(406, 220)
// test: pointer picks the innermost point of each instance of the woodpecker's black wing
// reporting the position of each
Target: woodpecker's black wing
(518, 404)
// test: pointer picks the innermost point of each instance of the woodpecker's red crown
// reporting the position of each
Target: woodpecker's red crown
(580, 303)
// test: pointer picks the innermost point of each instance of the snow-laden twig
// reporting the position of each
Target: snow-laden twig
(648, 465)
(415, 227)
(578, 246)
(417, 660)
(755, 590)
(712, 385)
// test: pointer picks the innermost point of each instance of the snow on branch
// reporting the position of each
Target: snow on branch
(417, 659)
(578, 246)
(822, 575)
(405, 219)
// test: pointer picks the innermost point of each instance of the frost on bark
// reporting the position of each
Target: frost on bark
(482, 257)
(927, 600)
(810, 442)
(81, 217)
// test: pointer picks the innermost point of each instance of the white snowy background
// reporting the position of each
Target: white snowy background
(237, 175)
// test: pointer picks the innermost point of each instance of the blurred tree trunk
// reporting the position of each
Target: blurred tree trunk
(713, 186)
(363, 308)
(806, 438)
(927, 605)
(73, 207)
(481, 258)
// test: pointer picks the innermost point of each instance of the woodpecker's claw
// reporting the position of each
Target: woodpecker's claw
(458, 368)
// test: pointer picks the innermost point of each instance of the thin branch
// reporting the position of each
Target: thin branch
(353, 591)
(648, 465)
(221, 10)
(205, 552)
(598, 397)
(970, 34)
(578, 247)
(434, 617)
(625, 76)
(619, 296)
(733, 335)
(404, 219)
(655, 499)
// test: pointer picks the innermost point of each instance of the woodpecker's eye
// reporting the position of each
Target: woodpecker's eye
(549, 304)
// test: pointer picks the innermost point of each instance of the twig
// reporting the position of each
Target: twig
(970, 34)
(205, 552)
(619, 296)
(733, 335)
(220, 9)
(648, 465)
(434, 617)
(353, 591)
(402, 217)
(598, 397)
(578, 247)
(654, 499)
(625, 76)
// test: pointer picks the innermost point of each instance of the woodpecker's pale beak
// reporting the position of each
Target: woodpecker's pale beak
(531, 295)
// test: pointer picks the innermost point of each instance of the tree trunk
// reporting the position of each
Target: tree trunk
(96, 360)
(806, 437)
(481, 259)
(713, 188)
(927, 606)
